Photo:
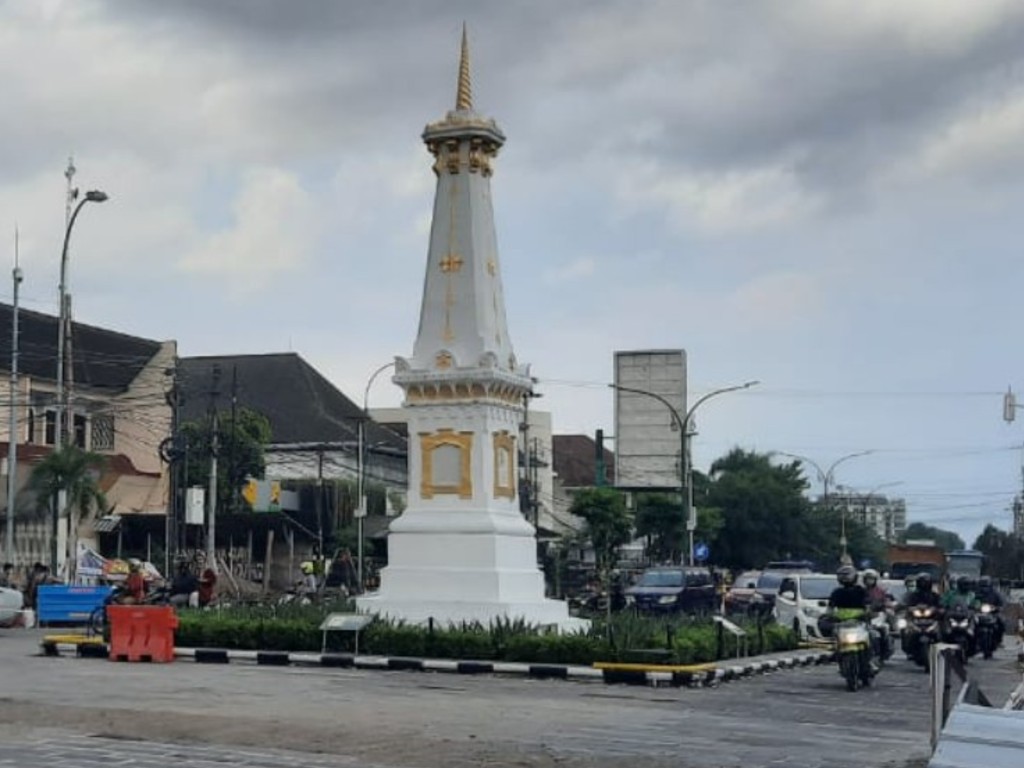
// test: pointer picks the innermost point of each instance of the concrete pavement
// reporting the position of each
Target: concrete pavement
(801, 717)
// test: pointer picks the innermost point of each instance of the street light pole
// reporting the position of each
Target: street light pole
(92, 196)
(12, 449)
(826, 477)
(361, 470)
(683, 424)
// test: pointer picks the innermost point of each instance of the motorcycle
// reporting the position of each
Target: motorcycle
(881, 637)
(958, 629)
(920, 631)
(987, 629)
(853, 651)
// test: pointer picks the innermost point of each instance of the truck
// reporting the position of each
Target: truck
(917, 556)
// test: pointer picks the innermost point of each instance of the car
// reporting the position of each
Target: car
(740, 597)
(11, 601)
(764, 593)
(673, 589)
(802, 599)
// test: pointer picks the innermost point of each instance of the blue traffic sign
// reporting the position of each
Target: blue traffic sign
(701, 552)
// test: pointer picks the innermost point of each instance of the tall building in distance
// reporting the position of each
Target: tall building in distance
(885, 516)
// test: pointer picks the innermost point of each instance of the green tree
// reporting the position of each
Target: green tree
(240, 455)
(1004, 553)
(76, 473)
(609, 526)
(947, 540)
(659, 517)
(609, 523)
(761, 507)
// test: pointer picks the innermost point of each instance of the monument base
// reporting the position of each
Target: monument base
(455, 577)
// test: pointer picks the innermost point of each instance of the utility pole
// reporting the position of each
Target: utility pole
(12, 450)
(233, 455)
(211, 522)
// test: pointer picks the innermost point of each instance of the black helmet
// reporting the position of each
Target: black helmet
(963, 584)
(847, 575)
(924, 582)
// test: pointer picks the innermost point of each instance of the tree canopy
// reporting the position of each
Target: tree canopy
(609, 523)
(763, 514)
(76, 473)
(1004, 553)
(240, 452)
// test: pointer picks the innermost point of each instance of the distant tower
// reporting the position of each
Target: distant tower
(462, 550)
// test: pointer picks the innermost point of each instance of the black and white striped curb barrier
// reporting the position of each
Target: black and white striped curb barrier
(721, 673)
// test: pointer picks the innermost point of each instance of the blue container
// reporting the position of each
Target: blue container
(60, 604)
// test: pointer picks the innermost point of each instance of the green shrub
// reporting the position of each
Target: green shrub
(628, 637)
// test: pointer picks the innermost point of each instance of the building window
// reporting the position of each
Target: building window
(78, 431)
(50, 437)
(103, 432)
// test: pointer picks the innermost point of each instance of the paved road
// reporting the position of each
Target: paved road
(802, 718)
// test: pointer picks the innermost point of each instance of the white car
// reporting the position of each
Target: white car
(801, 600)
(10, 606)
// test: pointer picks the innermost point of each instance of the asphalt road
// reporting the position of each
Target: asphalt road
(67, 709)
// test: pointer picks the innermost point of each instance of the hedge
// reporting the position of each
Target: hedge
(627, 638)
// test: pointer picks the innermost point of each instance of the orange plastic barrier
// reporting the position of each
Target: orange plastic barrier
(142, 632)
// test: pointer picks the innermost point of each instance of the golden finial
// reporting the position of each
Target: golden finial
(464, 97)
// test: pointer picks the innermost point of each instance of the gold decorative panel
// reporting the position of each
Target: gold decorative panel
(504, 465)
(447, 464)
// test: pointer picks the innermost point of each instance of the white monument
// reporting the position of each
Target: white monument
(462, 550)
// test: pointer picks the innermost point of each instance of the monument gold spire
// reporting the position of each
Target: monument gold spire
(464, 95)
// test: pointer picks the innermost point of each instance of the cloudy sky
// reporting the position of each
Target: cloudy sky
(821, 195)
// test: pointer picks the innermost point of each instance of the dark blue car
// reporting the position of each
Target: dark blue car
(673, 589)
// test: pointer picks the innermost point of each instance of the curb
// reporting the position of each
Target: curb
(650, 676)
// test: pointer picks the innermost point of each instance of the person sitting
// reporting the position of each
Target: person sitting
(959, 595)
(185, 588)
(923, 593)
(343, 572)
(207, 587)
(878, 598)
(135, 584)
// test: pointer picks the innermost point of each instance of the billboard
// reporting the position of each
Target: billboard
(648, 441)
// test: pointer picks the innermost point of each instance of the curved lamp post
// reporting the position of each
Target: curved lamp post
(826, 477)
(361, 470)
(92, 196)
(683, 424)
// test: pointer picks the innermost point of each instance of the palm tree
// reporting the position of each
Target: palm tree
(76, 472)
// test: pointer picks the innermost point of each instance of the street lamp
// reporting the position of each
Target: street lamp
(826, 477)
(683, 424)
(92, 196)
(361, 470)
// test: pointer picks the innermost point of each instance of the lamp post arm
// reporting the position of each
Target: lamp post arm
(714, 393)
(680, 422)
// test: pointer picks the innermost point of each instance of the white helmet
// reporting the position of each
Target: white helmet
(869, 577)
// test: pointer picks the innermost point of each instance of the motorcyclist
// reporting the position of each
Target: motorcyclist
(849, 600)
(878, 601)
(959, 595)
(923, 593)
(877, 596)
(989, 593)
